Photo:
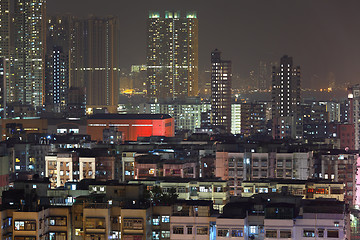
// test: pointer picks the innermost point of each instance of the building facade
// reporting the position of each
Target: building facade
(132, 126)
(58, 45)
(187, 114)
(315, 121)
(286, 100)
(28, 85)
(5, 50)
(57, 77)
(236, 167)
(341, 167)
(354, 112)
(220, 91)
(307, 189)
(214, 190)
(95, 61)
(172, 55)
(253, 119)
(3, 76)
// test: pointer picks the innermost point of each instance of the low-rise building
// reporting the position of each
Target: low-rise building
(154, 166)
(136, 223)
(49, 223)
(307, 189)
(161, 222)
(192, 220)
(61, 168)
(233, 223)
(214, 190)
(318, 220)
(119, 211)
(340, 166)
(236, 167)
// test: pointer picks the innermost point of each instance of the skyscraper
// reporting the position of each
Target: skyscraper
(58, 42)
(95, 61)
(59, 29)
(57, 79)
(29, 53)
(172, 55)
(5, 28)
(220, 91)
(264, 76)
(2, 86)
(5, 51)
(286, 100)
(354, 112)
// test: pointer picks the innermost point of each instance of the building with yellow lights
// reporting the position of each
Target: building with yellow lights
(95, 61)
(29, 27)
(172, 55)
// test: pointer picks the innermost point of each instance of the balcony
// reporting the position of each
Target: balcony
(95, 225)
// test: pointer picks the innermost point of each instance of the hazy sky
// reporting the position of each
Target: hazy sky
(322, 36)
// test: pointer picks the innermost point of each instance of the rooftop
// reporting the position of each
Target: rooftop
(290, 181)
(324, 206)
(130, 116)
(179, 180)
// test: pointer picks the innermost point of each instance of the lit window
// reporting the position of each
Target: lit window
(165, 219)
(309, 233)
(253, 230)
(223, 232)
(156, 221)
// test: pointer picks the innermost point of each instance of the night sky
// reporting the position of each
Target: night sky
(322, 36)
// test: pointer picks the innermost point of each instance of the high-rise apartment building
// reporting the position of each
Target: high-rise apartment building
(57, 76)
(248, 119)
(315, 120)
(5, 21)
(95, 61)
(172, 55)
(59, 29)
(286, 100)
(3, 68)
(5, 28)
(58, 43)
(29, 28)
(353, 112)
(263, 76)
(220, 91)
